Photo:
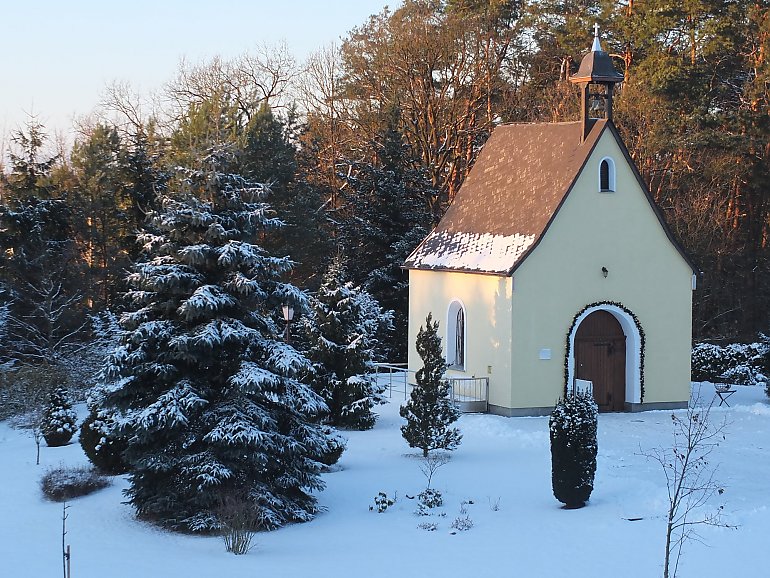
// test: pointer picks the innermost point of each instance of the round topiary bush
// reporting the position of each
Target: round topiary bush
(101, 444)
(59, 420)
(573, 449)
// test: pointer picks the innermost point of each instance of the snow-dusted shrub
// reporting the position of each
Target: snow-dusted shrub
(574, 446)
(335, 446)
(429, 413)
(63, 484)
(99, 436)
(430, 498)
(740, 363)
(462, 523)
(59, 420)
(237, 517)
(381, 503)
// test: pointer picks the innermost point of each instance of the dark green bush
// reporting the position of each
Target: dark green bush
(101, 444)
(59, 421)
(573, 449)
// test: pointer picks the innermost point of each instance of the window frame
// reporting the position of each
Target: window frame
(456, 338)
(609, 162)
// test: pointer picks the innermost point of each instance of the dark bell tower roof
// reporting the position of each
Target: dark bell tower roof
(596, 66)
(596, 78)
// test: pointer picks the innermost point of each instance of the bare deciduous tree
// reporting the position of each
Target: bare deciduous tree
(256, 78)
(690, 479)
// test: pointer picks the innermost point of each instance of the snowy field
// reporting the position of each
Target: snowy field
(502, 466)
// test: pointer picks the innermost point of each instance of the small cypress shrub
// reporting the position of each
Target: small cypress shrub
(572, 427)
(59, 420)
(429, 413)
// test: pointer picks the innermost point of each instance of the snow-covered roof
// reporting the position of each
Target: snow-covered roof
(481, 252)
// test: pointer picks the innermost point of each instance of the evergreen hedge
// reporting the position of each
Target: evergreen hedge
(573, 426)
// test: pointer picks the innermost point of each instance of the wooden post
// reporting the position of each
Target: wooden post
(65, 550)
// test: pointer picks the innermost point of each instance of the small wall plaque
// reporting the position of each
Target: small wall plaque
(545, 354)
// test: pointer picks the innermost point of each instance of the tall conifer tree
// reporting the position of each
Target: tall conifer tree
(342, 333)
(208, 396)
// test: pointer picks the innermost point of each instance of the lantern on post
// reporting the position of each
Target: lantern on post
(288, 315)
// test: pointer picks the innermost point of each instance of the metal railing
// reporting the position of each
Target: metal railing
(469, 394)
(395, 377)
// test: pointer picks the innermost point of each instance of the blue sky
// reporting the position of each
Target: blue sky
(58, 55)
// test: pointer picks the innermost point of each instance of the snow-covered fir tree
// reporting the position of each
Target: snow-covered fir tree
(429, 413)
(209, 399)
(59, 420)
(342, 333)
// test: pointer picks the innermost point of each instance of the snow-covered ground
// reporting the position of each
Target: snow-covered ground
(502, 466)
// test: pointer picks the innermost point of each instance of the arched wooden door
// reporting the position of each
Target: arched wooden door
(600, 357)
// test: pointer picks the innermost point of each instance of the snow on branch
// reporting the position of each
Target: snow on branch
(195, 254)
(238, 253)
(215, 334)
(244, 286)
(205, 300)
(171, 409)
(163, 277)
(253, 378)
(236, 429)
(288, 293)
(285, 360)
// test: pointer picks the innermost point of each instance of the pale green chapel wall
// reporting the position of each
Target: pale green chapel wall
(487, 301)
(647, 275)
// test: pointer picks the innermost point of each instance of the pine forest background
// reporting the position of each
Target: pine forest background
(366, 143)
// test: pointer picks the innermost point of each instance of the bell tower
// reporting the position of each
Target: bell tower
(597, 78)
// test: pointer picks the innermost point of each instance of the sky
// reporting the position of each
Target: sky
(58, 56)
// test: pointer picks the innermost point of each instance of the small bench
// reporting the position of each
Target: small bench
(723, 392)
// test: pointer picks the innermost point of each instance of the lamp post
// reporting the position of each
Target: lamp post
(288, 315)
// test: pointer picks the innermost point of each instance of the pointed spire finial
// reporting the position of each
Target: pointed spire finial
(596, 47)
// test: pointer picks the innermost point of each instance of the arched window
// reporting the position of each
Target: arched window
(456, 335)
(607, 175)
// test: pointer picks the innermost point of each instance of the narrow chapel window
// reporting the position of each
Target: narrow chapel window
(606, 176)
(459, 360)
(455, 339)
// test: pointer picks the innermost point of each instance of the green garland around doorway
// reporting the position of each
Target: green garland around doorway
(641, 342)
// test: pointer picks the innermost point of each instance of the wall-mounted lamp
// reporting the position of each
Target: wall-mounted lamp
(605, 272)
(288, 315)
